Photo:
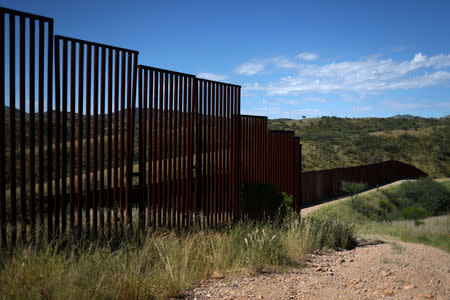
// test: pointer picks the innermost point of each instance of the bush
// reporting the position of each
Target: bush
(433, 196)
(353, 188)
(385, 205)
(261, 199)
(415, 213)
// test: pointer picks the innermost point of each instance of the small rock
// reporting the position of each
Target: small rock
(217, 275)
(319, 269)
(389, 292)
(260, 297)
(428, 296)
(357, 281)
(409, 286)
(342, 261)
(386, 273)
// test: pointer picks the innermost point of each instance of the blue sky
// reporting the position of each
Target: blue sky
(292, 58)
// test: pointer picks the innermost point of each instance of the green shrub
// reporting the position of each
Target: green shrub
(385, 205)
(353, 188)
(431, 195)
(288, 203)
(415, 213)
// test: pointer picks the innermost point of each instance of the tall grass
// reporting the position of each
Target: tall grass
(162, 264)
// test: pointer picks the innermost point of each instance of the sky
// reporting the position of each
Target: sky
(292, 58)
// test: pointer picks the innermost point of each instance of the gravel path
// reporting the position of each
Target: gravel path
(392, 270)
(385, 270)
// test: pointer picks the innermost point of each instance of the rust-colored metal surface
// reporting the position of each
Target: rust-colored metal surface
(91, 77)
(321, 185)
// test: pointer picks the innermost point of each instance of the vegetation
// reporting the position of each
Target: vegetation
(161, 264)
(417, 211)
(331, 142)
(353, 189)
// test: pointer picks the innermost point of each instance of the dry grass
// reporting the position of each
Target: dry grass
(161, 264)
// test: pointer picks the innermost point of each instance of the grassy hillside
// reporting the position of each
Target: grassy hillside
(331, 142)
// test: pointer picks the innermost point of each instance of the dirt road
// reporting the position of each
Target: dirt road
(391, 270)
(387, 270)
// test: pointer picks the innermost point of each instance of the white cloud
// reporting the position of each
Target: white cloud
(249, 68)
(368, 76)
(316, 99)
(280, 112)
(308, 56)
(211, 76)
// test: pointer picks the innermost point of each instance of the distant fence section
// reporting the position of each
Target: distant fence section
(92, 142)
(325, 184)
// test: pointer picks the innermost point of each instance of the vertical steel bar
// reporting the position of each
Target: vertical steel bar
(102, 141)
(151, 145)
(221, 142)
(95, 145)
(195, 148)
(208, 143)
(133, 114)
(216, 101)
(204, 141)
(165, 156)
(122, 138)
(110, 141)
(40, 127)
(23, 179)
(50, 199)
(190, 147)
(64, 139)
(210, 153)
(72, 132)
(116, 197)
(170, 151)
(221, 149)
(233, 153)
(160, 147)
(155, 179)
(128, 154)
(31, 131)
(2, 133)
(176, 153)
(185, 156)
(143, 80)
(87, 200)
(80, 137)
(148, 97)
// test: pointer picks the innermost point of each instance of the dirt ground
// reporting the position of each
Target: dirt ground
(389, 270)
(384, 270)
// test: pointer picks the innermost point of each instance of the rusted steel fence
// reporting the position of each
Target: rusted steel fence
(167, 120)
(282, 156)
(324, 184)
(91, 142)
(254, 149)
(217, 168)
(95, 88)
(30, 97)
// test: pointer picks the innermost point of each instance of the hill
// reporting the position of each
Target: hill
(331, 142)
